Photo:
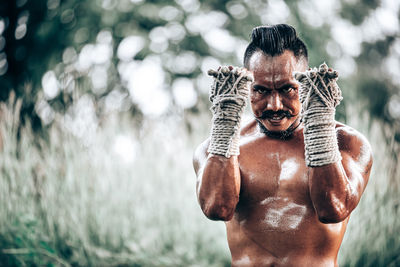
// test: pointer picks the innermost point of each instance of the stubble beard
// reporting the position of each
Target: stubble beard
(282, 135)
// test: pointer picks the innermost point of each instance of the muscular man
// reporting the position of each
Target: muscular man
(286, 182)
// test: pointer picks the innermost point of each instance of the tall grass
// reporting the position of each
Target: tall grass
(66, 204)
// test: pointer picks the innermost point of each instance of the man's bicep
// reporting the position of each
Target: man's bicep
(356, 159)
(358, 177)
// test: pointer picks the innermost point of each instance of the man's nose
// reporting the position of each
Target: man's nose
(274, 102)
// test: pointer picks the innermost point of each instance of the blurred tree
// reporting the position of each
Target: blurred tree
(22, 53)
(53, 52)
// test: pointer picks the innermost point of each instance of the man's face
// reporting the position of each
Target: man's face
(274, 93)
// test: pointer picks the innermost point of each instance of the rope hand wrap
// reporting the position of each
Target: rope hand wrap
(228, 95)
(319, 95)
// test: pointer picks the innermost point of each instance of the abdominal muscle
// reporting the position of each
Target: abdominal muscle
(280, 232)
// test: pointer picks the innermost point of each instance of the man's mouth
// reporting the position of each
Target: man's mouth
(275, 117)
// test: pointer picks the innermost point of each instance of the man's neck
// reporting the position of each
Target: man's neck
(282, 135)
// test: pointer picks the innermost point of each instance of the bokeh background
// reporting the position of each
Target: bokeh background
(104, 101)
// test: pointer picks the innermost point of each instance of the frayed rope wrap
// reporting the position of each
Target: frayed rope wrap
(228, 95)
(319, 95)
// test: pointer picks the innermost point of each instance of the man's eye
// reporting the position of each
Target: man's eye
(260, 90)
(287, 90)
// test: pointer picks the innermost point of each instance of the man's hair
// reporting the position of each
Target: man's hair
(274, 40)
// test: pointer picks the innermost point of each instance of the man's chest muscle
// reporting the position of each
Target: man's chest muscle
(271, 170)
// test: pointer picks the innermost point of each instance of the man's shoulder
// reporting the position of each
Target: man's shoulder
(248, 127)
(348, 133)
(353, 142)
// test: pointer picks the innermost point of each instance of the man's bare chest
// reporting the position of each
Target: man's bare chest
(273, 169)
(274, 195)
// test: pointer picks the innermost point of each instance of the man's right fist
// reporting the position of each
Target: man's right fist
(230, 80)
(228, 95)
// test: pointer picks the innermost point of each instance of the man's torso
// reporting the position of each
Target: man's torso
(275, 223)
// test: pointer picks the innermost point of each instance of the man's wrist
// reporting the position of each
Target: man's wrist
(225, 130)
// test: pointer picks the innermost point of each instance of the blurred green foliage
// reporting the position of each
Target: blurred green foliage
(50, 35)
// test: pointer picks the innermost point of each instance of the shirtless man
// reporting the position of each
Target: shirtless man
(287, 196)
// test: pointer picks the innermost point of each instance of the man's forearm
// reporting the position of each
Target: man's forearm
(331, 192)
(330, 188)
(219, 187)
(219, 180)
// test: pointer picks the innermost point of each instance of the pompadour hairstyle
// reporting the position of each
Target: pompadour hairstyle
(274, 40)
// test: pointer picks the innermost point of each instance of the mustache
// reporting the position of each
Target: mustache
(269, 114)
